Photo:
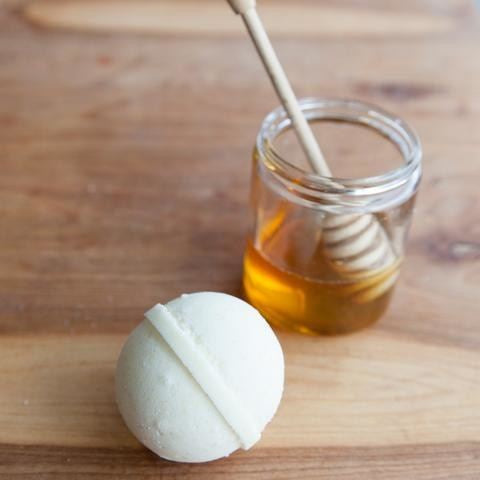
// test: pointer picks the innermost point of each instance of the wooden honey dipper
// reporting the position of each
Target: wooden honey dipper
(353, 243)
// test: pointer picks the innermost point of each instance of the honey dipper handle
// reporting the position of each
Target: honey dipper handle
(241, 6)
(246, 8)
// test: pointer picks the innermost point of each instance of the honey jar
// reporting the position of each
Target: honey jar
(323, 254)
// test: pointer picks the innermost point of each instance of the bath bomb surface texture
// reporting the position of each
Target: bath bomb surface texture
(200, 377)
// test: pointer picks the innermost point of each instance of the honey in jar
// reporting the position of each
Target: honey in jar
(318, 300)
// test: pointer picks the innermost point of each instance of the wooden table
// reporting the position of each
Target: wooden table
(125, 134)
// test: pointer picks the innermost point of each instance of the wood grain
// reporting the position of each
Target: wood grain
(368, 380)
(428, 462)
(124, 151)
(211, 17)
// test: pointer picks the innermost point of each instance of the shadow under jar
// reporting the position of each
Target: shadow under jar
(323, 255)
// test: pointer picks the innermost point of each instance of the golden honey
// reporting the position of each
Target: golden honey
(303, 291)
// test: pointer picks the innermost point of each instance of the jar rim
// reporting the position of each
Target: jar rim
(351, 111)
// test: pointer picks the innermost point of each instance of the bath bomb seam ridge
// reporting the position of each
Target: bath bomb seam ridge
(200, 364)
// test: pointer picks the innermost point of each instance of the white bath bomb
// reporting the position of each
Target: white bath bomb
(200, 377)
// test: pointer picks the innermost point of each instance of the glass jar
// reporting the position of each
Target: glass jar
(323, 254)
